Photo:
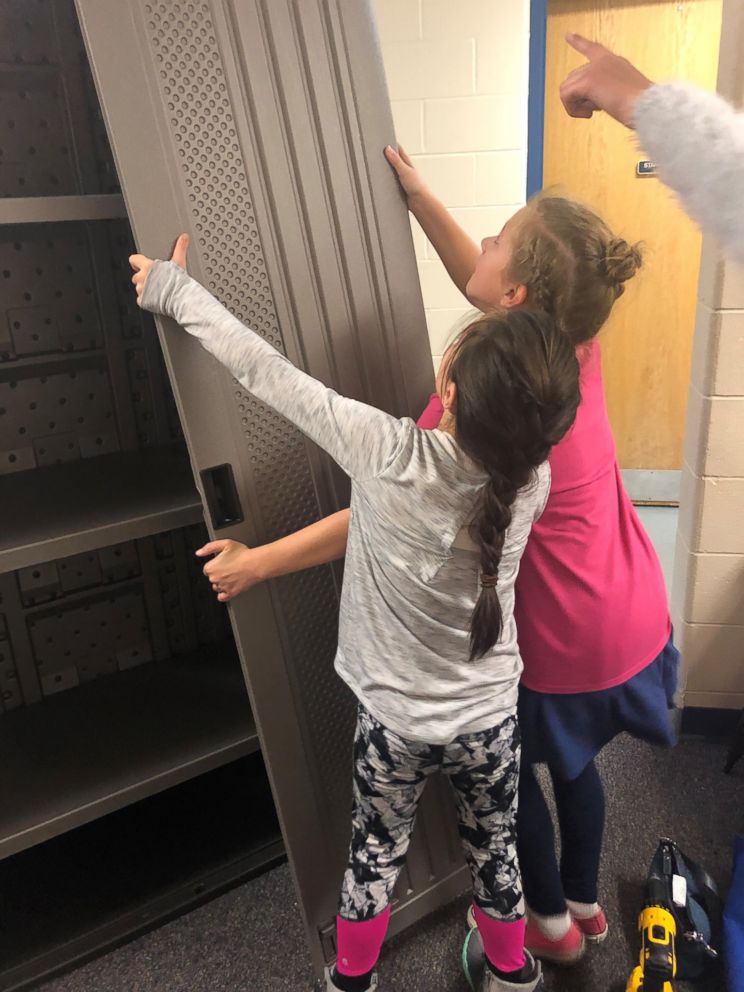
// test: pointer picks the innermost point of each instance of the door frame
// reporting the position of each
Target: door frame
(659, 486)
(536, 95)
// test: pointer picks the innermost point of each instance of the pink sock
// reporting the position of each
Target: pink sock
(502, 942)
(358, 944)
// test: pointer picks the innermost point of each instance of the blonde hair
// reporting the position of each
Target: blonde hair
(572, 265)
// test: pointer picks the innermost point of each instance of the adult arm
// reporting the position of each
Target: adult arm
(700, 157)
(695, 138)
(236, 567)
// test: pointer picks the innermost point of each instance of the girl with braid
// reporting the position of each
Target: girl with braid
(591, 605)
(427, 639)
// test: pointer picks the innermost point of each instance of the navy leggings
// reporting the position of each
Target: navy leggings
(581, 814)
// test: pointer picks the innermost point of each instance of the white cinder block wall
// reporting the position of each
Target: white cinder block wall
(457, 74)
(708, 587)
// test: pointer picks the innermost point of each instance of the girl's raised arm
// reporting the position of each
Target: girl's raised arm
(361, 439)
(456, 249)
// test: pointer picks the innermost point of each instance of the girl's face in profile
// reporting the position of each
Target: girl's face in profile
(490, 286)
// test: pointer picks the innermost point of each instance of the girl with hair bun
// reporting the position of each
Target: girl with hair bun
(591, 604)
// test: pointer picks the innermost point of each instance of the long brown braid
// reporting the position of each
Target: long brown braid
(517, 391)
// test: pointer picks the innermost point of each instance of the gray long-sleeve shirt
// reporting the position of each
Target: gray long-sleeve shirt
(696, 139)
(412, 573)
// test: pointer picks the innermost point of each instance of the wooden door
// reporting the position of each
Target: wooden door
(647, 343)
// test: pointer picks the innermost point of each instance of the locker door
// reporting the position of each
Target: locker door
(258, 127)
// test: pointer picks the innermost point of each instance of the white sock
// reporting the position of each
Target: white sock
(583, 910)
(552, 927)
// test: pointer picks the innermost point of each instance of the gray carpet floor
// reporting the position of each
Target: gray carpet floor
(251, 939)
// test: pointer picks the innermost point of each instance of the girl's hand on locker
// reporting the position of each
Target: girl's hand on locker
(234, 568)
(142, 264)
(408, 175)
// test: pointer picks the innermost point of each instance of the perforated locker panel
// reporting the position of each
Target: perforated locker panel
(52, 140)
(80, 373)
(10, 689)
(259, 127)
(106, 611)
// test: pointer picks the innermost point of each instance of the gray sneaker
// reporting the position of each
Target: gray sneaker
(329, 985)
(482, 979)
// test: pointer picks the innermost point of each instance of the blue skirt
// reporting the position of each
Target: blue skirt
(568, 730)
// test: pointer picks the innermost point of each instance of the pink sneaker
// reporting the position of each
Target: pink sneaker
(567, 950)
(594, 928)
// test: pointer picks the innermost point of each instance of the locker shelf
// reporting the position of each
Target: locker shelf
(52, 209)
(50, 364)
(66, 509)
(227, 832)
(82, 754)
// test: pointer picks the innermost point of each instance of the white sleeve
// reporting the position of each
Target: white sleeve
(543, 480)
(363, 440)
(696, 140)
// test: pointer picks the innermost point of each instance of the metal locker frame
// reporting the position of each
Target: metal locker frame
(258, 126)
(111, 686)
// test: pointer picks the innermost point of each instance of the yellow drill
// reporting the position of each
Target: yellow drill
(658, 930)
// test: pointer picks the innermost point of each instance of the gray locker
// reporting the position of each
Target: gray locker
(119, 676)
(258, 127)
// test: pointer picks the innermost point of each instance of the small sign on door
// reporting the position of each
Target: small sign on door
(645, 168)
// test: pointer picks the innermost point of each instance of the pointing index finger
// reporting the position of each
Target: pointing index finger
(590, 49)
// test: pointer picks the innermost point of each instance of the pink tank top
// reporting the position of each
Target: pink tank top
(591, 604)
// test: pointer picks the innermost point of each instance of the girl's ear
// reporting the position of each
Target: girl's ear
(514, 296)
(449, 399)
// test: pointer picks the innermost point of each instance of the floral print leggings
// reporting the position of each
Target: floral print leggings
(389, 777)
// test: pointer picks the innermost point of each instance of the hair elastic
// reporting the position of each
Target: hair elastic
(488, 581)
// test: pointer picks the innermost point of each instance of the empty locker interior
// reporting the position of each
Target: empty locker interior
(119, 676)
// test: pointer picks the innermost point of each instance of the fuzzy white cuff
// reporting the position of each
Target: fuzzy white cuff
(696, 140)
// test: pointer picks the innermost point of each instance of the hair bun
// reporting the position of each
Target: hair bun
(620, 261)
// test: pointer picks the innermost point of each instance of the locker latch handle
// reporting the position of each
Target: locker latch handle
(221, 496)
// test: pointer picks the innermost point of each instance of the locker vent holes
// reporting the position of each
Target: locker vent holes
(196, 100)
(35, 159)
(56, 579)
(10, 693)
(194, 88)
(47, 292)
(55, 418)
(81, 371)
(79, 643)
(105, 611)
(52, 139)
